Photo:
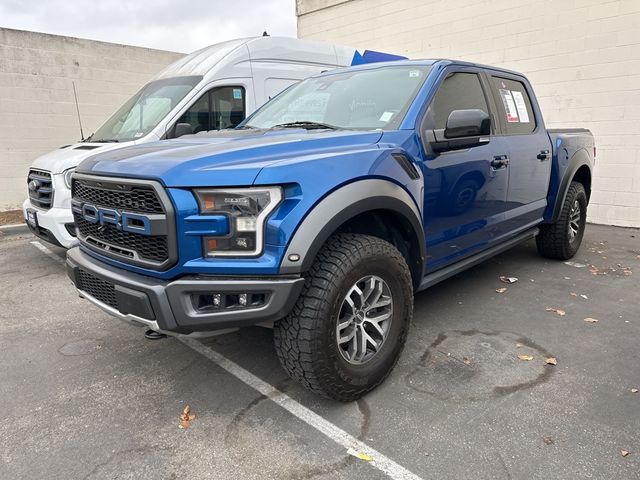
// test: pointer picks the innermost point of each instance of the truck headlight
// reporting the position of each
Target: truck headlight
(247, 210)
(67, 176)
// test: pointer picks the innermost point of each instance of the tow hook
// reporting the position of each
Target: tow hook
(153, 335)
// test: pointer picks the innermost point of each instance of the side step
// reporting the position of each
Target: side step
(451, 270)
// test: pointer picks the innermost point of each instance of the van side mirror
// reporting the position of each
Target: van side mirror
(182, 129)
(465, 129)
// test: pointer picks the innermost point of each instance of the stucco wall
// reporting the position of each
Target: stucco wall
(582, 56)
(37, 109)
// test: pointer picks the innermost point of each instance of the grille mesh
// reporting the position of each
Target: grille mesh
(147, 247)
(138, 199)
(97, 288)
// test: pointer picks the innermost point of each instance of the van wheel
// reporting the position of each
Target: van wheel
(349, 325)
(561, 240)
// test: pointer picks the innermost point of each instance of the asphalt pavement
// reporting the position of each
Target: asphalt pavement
(84, 396)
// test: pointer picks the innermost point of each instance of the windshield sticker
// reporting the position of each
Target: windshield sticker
(386, 116)
(521, 106)
(509, 105)
(237, 94)
(414, 73)
(138, 134)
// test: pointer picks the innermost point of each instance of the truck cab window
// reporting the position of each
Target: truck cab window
(459, 91)
(514, 106)
(219, 108)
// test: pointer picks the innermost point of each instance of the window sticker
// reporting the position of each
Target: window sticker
(386, 116)
(521, 106)
(509, 105)
(237, 94)
(414, 73)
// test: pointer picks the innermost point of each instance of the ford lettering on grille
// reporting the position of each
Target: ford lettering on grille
(127, 221)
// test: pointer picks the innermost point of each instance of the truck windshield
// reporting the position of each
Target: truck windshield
(362, 99)
(142, 112)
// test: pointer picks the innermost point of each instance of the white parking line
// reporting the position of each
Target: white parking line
(47, 252)
(349, 442)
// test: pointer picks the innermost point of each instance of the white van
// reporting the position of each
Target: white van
(212, 88)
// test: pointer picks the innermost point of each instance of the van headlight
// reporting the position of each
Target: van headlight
(247, 210)
(67, 176)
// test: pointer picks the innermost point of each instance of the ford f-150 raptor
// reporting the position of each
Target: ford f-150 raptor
(327, 209)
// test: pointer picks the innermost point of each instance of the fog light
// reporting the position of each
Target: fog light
(242, 299)
(217, 300)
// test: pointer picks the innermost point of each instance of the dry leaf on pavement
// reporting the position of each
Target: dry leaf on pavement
(573, 294)
(508, 279)
(525, 357)
(186, 417)
(634, 390)
(466, 360)
(501, 290)
(559, 311)
(624, 453)
(551, 361)
(591, 320)
(548, 440)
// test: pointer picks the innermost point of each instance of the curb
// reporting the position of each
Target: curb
(15, 229)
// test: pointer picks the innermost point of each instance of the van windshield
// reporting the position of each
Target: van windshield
(354, 99)
(142, 112)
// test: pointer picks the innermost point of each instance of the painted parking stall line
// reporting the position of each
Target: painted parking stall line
(47, 252)
(346, 440)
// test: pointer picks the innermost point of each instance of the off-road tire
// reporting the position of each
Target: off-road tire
(306, 341)
(554, 240)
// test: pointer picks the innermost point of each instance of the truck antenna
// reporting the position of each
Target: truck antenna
(75, 95)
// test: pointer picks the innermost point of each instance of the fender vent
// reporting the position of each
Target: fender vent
(407, 165)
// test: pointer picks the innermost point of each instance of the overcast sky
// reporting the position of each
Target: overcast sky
(178, 25)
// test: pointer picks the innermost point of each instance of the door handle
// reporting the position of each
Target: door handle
(543, 155)
(500, 161)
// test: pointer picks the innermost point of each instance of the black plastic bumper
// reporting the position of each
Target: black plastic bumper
(170, 306)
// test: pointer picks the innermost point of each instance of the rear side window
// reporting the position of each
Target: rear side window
(514, 106)
(459, 91)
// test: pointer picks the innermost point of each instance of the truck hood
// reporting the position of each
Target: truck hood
(70, 156)
(221, 159)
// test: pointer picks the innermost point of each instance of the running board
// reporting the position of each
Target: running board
(451, 270)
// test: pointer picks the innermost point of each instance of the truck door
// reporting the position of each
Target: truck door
(529, 151)
(465, 190)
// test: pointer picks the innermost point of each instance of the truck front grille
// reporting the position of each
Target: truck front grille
(40, 188)
(97, 288)
(99, 207)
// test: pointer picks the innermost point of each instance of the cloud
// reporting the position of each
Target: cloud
(181, 26)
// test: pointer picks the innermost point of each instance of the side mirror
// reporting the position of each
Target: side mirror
(465, 129)
(182, 129)
(467, 123)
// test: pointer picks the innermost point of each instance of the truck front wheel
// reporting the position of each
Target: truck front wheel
(350, 323)
(562, 239)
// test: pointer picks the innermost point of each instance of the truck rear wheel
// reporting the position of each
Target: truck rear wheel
(561, 240)
(350, 323)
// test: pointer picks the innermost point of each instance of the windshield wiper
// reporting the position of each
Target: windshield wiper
(106, 140)
(307, 125)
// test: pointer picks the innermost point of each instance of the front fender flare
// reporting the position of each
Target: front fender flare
(344, 204)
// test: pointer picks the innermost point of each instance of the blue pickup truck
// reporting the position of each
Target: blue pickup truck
(327, 209)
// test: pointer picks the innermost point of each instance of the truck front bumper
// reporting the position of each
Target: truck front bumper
(54, 225)
(182, 306)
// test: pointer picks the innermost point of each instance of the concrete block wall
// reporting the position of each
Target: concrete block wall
(37, 108)
(582, 56)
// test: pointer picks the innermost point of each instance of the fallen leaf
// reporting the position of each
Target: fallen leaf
(548, 440)
(518, 345)
(186, 417)
(573, 294)
(634, 390)
(559, 311)
(551, 361)
(501, 290)
(508, 279)
(591, 320)
(525, 357)
(585, 297)
(624, 453)
(360, 455)
(466, 360)
(575, 264)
